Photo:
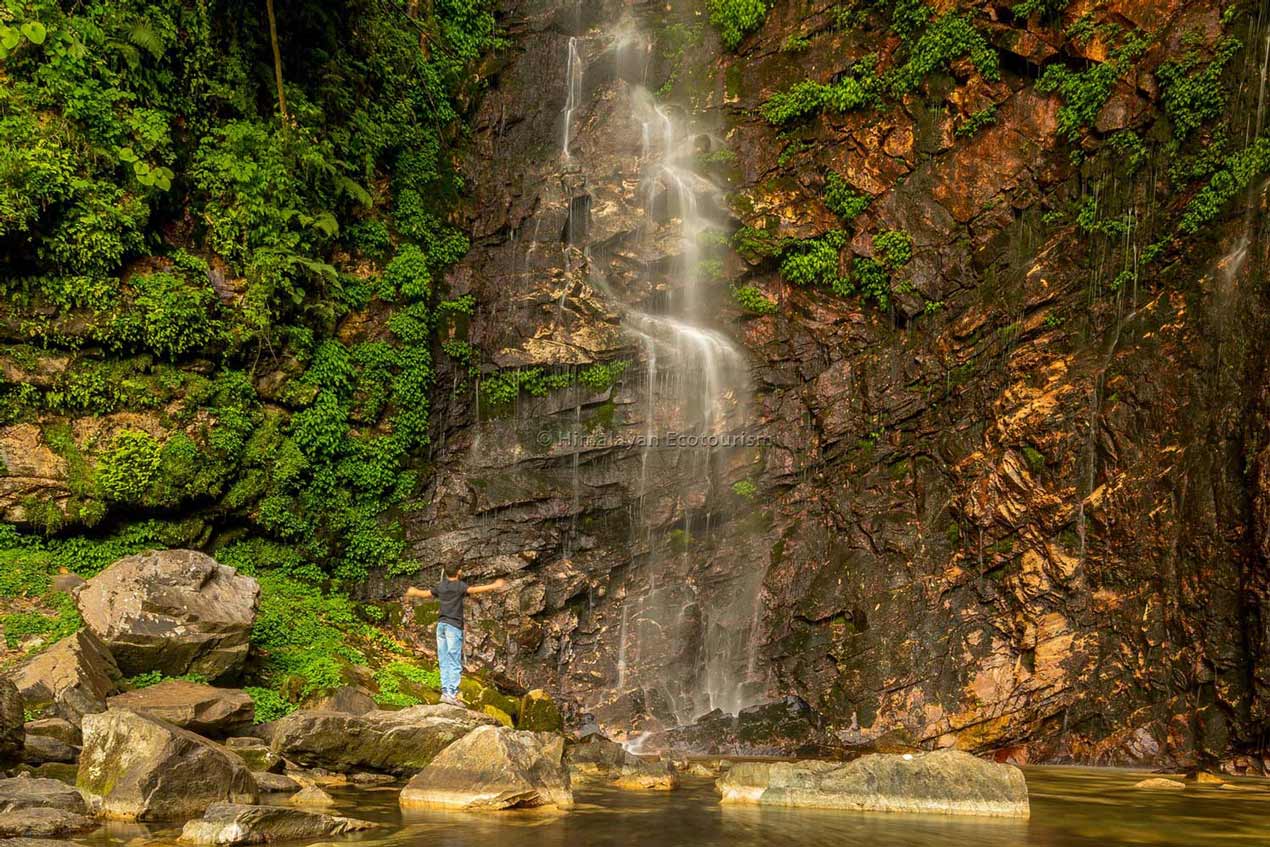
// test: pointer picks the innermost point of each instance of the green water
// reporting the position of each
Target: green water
(1070, 808)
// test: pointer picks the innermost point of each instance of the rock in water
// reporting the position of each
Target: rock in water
(602, 760)
(494, 768)
(143, 768)
(393, 742)
(782, 728)
(946, 782)
(72, 678)
(44, 823)
(41, 807)
(12, 732)
(173, 611)
(202, 709)
(275, 783)
(35, 842)
(1160, 784)
(312, 797)
(229, 824)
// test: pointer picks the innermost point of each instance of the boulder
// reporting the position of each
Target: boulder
(142, 768)
(275, 783)
(229, 824)
(255, 752)
(44, 823)
(788, 727)
(20, 793)
(59, 728)
(71, 679)
(601, 760)
(202, 709)
(539, 713)
(1160, 784)
(493, 768)
(399, 742)
(11, 731)
(312, 797)
(42, 749)
(174, 611)
(346, 698)
(946, 782)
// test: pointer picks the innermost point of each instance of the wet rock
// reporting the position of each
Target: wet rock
(494, 768)
(539, 713)
(44, 823)
(398, 742)
(42, 749)
(26, 792)
(230, 824)
(786, 727)
(1156, 783)
(372, 779)
(943, 782)
(275, 783)
(599, 759)
(312, 797)
(142, 768)
(71, 679)
(11, 729)
(258, 755)
(174, 611)
(348, 699)
(1204, 778)
(202, 709)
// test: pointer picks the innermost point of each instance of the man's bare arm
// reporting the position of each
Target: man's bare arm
(496, 585)
(421, 593)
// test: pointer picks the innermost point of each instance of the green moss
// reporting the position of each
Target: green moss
(745, 489)
(753, 300)
(980, 119)
(1191, 89)
(857, 89)
(736, 18)
(1084, 92)
(1236, 174)
(843, 200)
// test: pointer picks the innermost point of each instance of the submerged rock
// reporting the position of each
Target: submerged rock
(494, 768)
(943, 782)
(231, 823)
(203, 709)
(598, 759)
(1160, 784)
(174, 611)
(71, 679)
(143, 768)
(11, 731)
(399, 742)
(312, 797)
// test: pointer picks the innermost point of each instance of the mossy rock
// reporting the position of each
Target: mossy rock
(498, 715)
(539, 713)
(478, 695)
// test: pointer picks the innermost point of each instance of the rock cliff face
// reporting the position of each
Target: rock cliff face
(1021, 502)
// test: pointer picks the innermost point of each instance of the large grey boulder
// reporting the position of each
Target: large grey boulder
(230, 824)
(71, 679)
(946, 782)
(597, 759)
(142, 768)
(174, 611)
(202, 709)
(399, 742)
(12, 732)
(494, 768)
(41, 807)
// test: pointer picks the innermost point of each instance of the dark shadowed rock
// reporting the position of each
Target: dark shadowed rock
(42, 749)
(228, 824)
(27, 792)
(785, 727)
(494, 768)
(174, 611)
(142, 768)
(600, 760)
(202, 709)
(11, 730)
(394, 742)
(945, 782)
(71, 679)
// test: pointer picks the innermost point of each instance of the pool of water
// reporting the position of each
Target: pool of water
(1071, 807)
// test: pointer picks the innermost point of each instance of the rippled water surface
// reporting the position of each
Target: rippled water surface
(1070, 808)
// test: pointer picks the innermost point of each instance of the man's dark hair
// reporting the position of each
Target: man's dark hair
(452, 570)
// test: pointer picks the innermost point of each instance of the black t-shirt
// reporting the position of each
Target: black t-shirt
(451, 592)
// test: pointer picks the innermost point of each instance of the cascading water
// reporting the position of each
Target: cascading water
(686, 636)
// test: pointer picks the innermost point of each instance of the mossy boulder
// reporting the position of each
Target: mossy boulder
(539, 713)
(498, 715)
(478, 695)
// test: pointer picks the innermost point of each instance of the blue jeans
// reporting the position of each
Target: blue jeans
(450, 657)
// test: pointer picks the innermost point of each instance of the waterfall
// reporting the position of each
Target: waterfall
(686, 634)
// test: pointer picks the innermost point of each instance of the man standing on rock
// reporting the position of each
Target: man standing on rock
(450, 591)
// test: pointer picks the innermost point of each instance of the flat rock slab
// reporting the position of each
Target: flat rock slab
(946, 782)
(391, 742)
(143, 768)
(71, 679)
(231, 824)
(275, 783)
(493, 768)
(203, 709)
(42, 749)
(26, 792)
(174, 611)
(43, 823)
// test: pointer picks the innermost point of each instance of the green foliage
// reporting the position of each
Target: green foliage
(396, 679)
(814, 261)
(1191, 89)
(745, 489)
(755, 244)
(946, 39)
(1237, 173)
(736, 18)
(127, 468)
(502, 388)
(984, 117)
(858, 89)
(152, 678)
(1046, 10)
(304, 635)
(270, 705)
(753, 300)
(894, 248)
(842, 199)
(1084, 92)
(61, 620)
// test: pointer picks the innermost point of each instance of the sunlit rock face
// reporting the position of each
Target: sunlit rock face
(1020, 508)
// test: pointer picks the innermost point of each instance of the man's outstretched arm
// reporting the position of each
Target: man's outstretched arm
(421, 593)
(496, 585)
